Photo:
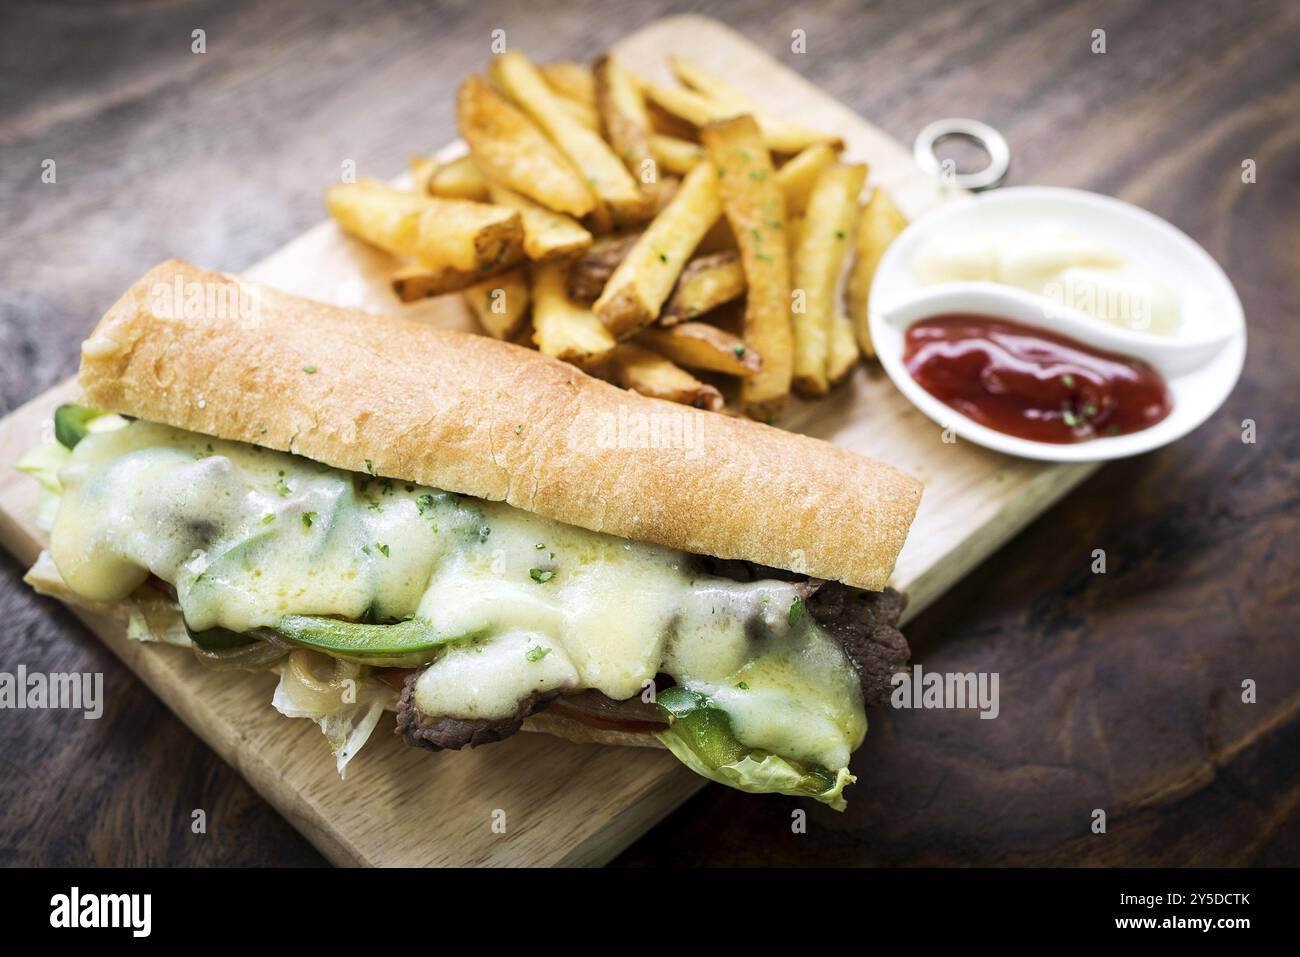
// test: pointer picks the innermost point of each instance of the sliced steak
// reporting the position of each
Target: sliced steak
(439, 734)
(865, 623)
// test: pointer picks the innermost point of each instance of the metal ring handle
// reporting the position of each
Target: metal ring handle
(981, 134)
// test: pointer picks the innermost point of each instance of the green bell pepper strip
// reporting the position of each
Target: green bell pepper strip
(219, 639)
(70, 423)
(700, 736)
(412, 641)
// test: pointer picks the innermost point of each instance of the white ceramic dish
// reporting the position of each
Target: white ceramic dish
(1201, 363)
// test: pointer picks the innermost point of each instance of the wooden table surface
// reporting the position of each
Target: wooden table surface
(1119, 691)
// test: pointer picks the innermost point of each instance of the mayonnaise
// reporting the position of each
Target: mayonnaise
(1055, 262)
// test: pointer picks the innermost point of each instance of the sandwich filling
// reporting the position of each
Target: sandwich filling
(481, 612)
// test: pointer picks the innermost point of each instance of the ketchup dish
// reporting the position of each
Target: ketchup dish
(1025, 373)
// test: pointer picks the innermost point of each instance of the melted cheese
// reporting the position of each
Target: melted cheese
(248, 536)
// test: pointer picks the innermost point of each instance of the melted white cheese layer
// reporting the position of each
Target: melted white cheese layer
(248, 536)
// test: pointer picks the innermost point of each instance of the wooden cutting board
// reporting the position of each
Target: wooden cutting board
(560, 803)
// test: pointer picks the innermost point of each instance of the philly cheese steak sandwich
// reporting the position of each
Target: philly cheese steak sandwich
(480, 537)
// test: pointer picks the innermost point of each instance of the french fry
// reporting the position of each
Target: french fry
(661, 121)
(547, 234)
(511, 150)
(800, 173)
(458, 179)
(706, 283)
(441, 233)
(563, 328)
(645, 371)
(644, 279)
(377, 213)
(501, 303)
(416, 281)
(572, 80)
(609, 178)
(699, 345)
(580, 113)
(844, 352)
(675, 155)
(823, 239)
(625, 121)
(781, 135)
(590, 272)
(879, 224)
(755, 208)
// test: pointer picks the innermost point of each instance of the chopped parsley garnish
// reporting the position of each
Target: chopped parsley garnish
(382, 547)
(366, 549)
(374, 505)
(765, 257)
(1072, 420)
(268, 518)
(518, 429)
(740, 351)
(281, 486)
(796, 609)
(540, 575)
(537, 653)
(370, 466)
(308, 518)
(742, 686)
(1067, 380)
(424, 502)
(309, 369)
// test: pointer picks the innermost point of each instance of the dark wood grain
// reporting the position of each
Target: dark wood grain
(1119, 691)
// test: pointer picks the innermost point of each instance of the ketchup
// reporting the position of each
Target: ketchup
(1031, 383)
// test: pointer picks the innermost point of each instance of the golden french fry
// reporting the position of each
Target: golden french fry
(500, 303)
(781, 135)
(590, 272)
(440, 233)
(625, 121)
(546, 233)
(458, 179)
(609, 178)
(562, 327)
(700, 107)
(755, 208)
(572, 80)
(798, 176)
(675, 155)
(580, 113)
(642, 370)
(706, 283)
(844, 352)
(511, 150)
(818, 259)
(377, 213)
(879, 224)
(644, 279)
(699, 345)
(416, 281)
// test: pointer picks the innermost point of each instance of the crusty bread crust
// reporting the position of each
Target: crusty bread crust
(208, 352)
